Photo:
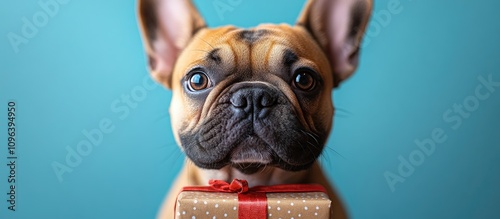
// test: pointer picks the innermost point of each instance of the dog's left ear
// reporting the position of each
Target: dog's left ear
(338, 27)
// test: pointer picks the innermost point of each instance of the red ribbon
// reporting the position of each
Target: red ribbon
(252, 202)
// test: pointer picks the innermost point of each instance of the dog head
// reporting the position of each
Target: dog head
(250, 98)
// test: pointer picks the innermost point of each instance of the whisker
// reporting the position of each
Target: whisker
(315, 137)
(164, 115)
(341, 116)
(324, 158)
(200, 50)
(206, 42)
(310, 150)
(165, 145)
(173, 151)
(312, 135)
(335, 151)
(263, 169)
(342, 113)
(343, 110)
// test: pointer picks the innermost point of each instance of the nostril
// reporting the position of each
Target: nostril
(266, 100)
(239, 101)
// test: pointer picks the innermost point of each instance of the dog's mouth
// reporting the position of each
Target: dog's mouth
(254, 153)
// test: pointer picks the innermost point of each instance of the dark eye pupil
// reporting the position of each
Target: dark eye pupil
(198, 81)
(304, 81)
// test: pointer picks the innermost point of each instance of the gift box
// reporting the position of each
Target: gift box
(222, 200)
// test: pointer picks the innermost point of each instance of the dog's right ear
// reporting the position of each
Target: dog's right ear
(167, 27)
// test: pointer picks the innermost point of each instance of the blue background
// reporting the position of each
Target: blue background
(416, 66)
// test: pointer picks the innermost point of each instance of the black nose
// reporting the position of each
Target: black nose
(253, 100)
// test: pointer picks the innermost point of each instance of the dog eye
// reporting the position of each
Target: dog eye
(198, 81)
(304, 80)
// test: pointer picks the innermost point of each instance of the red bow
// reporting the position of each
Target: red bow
(236, 186)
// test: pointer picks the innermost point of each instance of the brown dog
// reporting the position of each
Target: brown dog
(254, 104)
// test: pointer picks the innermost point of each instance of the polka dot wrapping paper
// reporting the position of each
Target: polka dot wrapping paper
(232, 205)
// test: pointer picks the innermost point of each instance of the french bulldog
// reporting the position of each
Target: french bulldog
(254, 103)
